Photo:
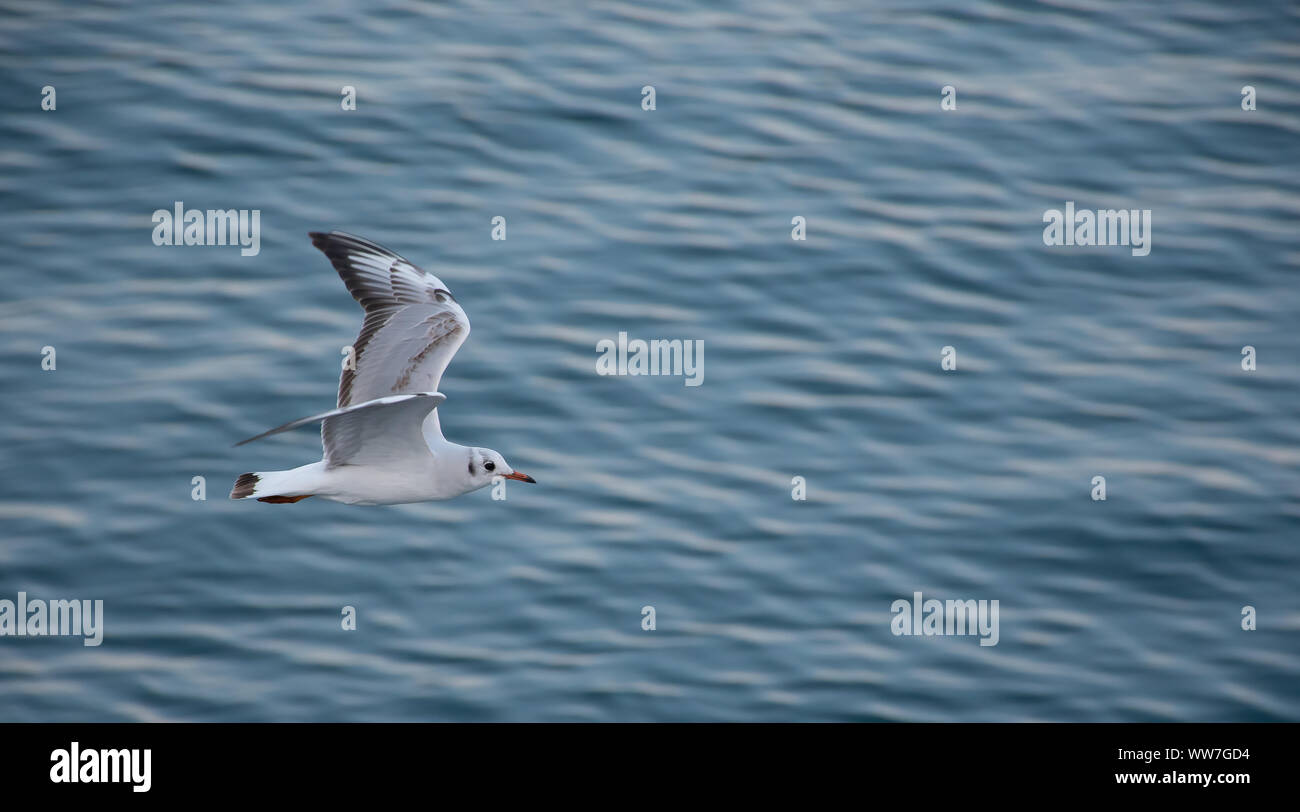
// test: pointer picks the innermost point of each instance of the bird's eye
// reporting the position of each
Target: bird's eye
(491, 466)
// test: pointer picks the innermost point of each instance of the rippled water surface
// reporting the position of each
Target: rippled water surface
(821, 359)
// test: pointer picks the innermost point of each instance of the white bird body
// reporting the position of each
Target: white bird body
(363, 484)
(383, 443)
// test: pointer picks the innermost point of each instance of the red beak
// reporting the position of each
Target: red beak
(521, 477)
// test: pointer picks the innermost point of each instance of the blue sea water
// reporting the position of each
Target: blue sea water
(822, 358)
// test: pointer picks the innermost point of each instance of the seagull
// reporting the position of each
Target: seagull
(383, 444)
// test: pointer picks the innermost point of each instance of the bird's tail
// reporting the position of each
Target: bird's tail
(276, 487)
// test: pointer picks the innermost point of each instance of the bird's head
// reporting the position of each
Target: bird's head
(485, 465)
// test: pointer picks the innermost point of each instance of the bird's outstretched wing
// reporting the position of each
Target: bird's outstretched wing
(375, 432)
(412, 328)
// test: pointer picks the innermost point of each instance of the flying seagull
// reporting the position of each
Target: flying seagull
(383, 444)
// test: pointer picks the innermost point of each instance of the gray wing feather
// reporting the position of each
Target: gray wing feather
(370, 432)
(412, 328)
